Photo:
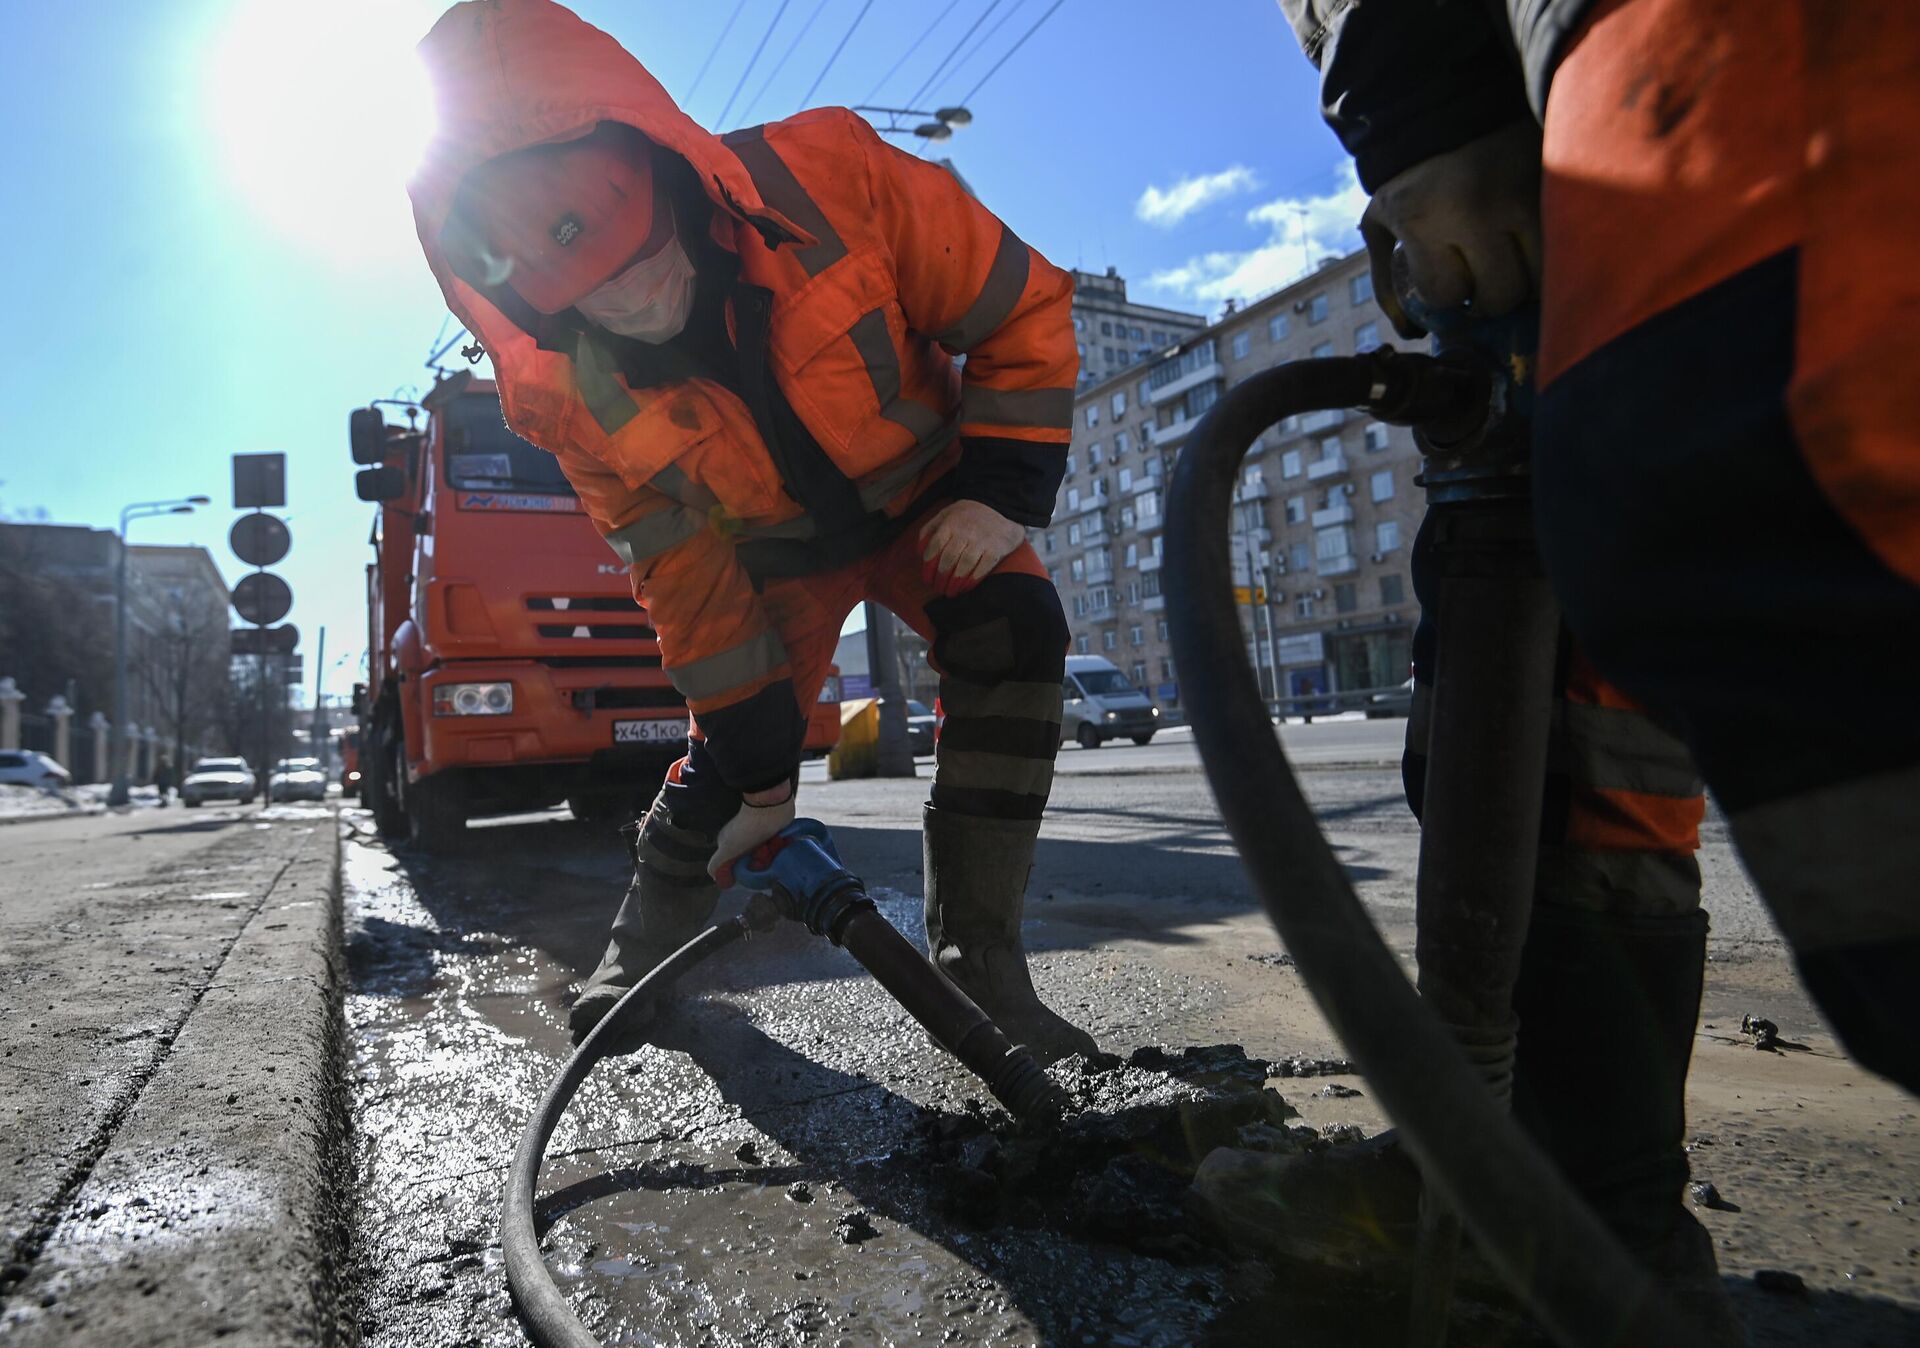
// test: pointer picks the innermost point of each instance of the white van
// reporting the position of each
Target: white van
(1100, 705)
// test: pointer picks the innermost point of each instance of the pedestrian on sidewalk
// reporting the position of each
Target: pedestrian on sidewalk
(743, 351)
(163, 778)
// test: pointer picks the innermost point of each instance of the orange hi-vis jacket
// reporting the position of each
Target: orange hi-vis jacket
(862, 274)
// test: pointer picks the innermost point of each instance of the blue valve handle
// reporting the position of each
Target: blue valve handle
(801, 867)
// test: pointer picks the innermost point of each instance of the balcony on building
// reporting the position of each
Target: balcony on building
(1328, 516)
(1252, 491)
(1333, 465)
(1100, 575)
(1259, 533)
(1200, 373)
(1154, 603)
(1338, 566)
(1150, 561)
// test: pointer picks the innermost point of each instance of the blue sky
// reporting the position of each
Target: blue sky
(210, 251)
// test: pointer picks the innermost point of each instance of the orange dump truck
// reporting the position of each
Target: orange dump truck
(509, 668)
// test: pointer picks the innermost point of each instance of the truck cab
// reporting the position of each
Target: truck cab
(510, 667)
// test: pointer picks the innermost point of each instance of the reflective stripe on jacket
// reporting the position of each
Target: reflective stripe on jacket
(881, 270)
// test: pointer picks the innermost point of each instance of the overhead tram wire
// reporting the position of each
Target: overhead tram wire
(954, 51)
(712, 52)
(807, 98)
(986, 37)
(1007, 56)
(941, 18)
(752, 61)
(781, 64)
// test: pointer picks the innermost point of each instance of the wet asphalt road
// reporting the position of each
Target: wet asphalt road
(719, 1185)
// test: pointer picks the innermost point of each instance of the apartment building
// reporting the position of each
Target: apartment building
(1323, 520)
(1114, 334)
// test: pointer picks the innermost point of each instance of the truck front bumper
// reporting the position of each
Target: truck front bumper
(558, 716)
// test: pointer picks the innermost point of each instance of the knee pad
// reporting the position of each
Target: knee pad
(1009, 626)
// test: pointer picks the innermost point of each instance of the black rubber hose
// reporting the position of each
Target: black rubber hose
(551, 1322)
(1534, 1229)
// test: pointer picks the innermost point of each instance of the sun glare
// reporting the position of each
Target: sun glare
(320, 114)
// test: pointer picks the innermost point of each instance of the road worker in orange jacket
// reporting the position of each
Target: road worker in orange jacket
(742, 350)
(1714, 203)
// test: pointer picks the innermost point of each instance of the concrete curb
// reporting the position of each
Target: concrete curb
(218, 1211)
(43, 817)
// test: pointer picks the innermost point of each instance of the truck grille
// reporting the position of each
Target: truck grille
(629, 619)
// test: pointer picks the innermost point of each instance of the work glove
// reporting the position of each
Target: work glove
(761, 815)
(962, 543)
(1469, 224)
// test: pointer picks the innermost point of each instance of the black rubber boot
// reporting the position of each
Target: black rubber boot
(670, 900)
(1608, 1006)
(976, 889)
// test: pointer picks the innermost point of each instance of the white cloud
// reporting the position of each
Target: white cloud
(1168, 207)
(1300, 231)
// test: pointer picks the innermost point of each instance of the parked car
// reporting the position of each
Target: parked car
(1098, 704)
(1393, 702)
(28, 767)
(219, 779)
(920, 727)
(297, 779)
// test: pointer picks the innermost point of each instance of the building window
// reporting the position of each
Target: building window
(1119, 406)
(1070, 465)
(1073, 530)
(1303, 607)
(1146, 507)
(1121, 443)
(1296, 509)
(1317, 308)
(1366, 337)
(1050, 541)
(1302, 558)
(1332, 544)
(1093, 455)
(1138, 334)
(1073, 503)
(1079, 323)
(1392, 589)
(1383, 485)
(1125, 356)
(1329, 448)
(1080, 642)
(1106, 329)
(1166, 668)
(1321, 350)
(1126, 479)
(1109, 639)
(1242, 343)
(1377, 436)
(1139, 673)
(1093, 415)
(1135, 636)
(1277, 327)
(1111, 357)
(1078, 569)
(1346, 597)
(1161, 629)
(1386, 536)
(1133, 554)
(1143, 391)
(1360, 288)
(1159, 337)
(1290, 463)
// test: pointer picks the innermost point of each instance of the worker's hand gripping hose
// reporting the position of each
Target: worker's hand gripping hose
(1545, 1242)
(799, 876)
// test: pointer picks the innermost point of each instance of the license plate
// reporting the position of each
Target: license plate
(657, 731)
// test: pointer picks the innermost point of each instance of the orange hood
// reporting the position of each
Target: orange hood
(508, 74)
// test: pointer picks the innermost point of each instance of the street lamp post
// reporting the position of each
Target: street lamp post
(938, 126)
(121, 792)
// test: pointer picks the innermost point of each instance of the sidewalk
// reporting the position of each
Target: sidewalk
(170, 1044)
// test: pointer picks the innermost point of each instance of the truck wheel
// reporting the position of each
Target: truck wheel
(1144, 739)
(1088, 737)
(386, 769)
(436, 812)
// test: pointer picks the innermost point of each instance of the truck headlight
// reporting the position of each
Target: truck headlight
(473, 699)
(1113, 716)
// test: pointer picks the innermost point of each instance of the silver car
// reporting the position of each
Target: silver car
(219, 779)
(1098, 704)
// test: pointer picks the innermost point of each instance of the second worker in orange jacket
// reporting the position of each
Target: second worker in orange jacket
(742, 350)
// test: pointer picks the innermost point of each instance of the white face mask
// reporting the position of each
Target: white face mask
(650, 300)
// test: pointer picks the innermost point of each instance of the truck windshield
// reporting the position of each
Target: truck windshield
(1103, 682)
(483, 455)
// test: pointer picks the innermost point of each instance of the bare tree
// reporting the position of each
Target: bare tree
(183, 667)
